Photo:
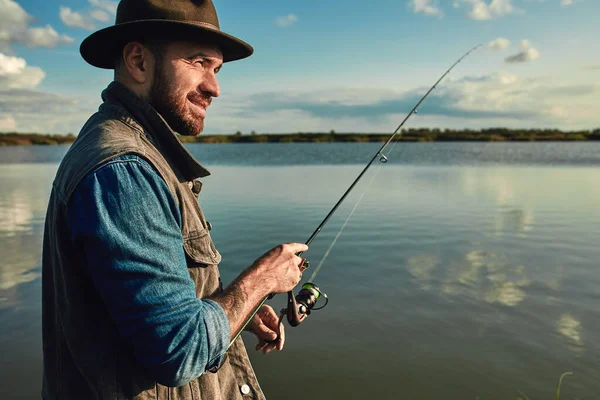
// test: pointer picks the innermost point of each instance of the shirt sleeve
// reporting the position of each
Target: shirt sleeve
(128, 225)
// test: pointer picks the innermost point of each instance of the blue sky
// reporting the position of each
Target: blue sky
(349, 65)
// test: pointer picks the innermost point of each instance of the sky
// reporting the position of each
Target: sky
(346, 65)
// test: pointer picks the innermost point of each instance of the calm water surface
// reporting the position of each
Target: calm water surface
(468, 270)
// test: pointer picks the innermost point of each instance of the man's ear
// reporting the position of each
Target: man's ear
(138, 62)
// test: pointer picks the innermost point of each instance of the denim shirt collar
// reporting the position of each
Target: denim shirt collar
(154, 125)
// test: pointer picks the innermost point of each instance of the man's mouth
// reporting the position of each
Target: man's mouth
(200, 101)
(200, 106)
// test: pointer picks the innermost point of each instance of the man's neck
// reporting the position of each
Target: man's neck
(139, 90)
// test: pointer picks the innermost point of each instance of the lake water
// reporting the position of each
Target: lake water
(469, 270)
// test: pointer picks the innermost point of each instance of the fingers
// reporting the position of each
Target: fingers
(280, 268)
(281, 337)
(267, 347)
(297, 247)
(267, 330)
(268, 316)
(303, 265)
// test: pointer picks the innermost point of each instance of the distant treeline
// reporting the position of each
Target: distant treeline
(407, 135)
(24, 139)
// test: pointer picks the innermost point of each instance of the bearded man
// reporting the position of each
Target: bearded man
(133, 307)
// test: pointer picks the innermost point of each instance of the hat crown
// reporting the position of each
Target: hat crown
(199, 11)
(192, 20)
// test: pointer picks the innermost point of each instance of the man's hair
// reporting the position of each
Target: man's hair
(157, 47)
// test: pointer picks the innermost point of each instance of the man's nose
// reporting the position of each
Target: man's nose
(210, 85)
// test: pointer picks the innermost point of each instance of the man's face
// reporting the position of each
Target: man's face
(184, 83)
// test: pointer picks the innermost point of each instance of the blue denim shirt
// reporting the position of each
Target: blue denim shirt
(128, 225)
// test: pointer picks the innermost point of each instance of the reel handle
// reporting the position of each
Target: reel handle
(300, 306)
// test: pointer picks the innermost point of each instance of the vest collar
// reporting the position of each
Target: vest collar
(155, 125)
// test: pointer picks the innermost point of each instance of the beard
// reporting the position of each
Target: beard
(173, 105)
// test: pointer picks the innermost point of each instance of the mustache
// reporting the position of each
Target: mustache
(203, 99)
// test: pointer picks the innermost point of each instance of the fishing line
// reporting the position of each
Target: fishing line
(300, 306)
(383, 159)
(337, 236)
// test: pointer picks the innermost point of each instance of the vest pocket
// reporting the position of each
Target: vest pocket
(200, 249)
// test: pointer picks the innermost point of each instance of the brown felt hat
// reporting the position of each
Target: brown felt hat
(194, 20)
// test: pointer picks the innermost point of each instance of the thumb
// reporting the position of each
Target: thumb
(298, 247)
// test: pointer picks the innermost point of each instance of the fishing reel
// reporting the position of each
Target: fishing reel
(301, 305)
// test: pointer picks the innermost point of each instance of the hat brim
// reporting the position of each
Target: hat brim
(101, 48)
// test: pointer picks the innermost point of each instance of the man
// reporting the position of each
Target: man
(132, 302)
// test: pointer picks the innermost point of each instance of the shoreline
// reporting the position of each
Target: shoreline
(406, 135)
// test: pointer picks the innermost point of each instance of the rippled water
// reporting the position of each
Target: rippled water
(440, 153)
(455, 278)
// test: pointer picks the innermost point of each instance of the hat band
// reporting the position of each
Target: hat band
(204, 24)
(182, 21)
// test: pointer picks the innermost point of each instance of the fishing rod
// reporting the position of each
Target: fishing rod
(301, 305)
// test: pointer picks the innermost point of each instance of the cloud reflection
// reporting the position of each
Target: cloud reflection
(421, 268)
(510, 217)
(16, 214)
(23, 200)
(570, 328)
(484, 276)
(20, 257)
(517, 220)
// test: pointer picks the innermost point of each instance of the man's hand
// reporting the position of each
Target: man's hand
(279, 268)
(264, 326)
(276, 271)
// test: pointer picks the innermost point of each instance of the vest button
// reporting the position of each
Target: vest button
(208, 225)
(245, 389)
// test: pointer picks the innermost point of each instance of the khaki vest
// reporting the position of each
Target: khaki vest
(84, 356)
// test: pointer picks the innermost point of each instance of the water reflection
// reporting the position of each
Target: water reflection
(20, 264)
(484, 276)
(23, 200)
(421, 268)
(16, 213)
(515, 220)
(570, 328)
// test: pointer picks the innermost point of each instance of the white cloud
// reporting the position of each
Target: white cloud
(75, 19)
(42, 112)
(43, 37)
(526, 54)
(498, 99)
(501, 7)
(100, 15)
(499, 44)
(13, 13)
(565, 3)
(524, 44)
(505, 78)
(12, 19)
(426, 7)
(29, 77)
(518, 102)
(15, 74)
(481, 10)
(31, 110)
(106, 5)
(14, 28)
(11, 65)
(286, 20)
(7, 123)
